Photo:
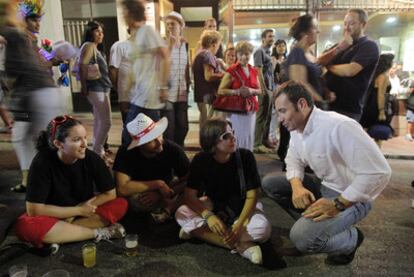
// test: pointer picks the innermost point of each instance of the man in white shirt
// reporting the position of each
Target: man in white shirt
(350, 173)
(119, 72)
(149, 64)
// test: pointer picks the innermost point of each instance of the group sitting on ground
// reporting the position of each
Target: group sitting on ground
(217, 194)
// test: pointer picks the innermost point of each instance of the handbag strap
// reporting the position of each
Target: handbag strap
(241, 175)
(95, 54)
(239, 77)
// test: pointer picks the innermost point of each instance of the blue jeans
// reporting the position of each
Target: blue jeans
(133, 111)
(333, 236)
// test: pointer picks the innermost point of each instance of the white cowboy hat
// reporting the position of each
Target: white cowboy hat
(176, 16)
(143, 129)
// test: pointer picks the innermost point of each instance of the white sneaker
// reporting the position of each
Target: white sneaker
(115, 231)
(409, 137)
(253, 254)
(183, 235)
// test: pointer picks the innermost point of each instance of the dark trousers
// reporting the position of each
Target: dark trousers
(134, 110)
(263, 119)
(177, 116)
(283, 142)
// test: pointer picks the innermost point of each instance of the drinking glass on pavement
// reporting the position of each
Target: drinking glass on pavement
(89, 255)
(131, 245)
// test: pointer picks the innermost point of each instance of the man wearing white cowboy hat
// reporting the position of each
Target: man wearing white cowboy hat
(151, 172)
(179, 80)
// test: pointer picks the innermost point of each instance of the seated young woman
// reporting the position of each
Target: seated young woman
(71, 193)
(228, 215)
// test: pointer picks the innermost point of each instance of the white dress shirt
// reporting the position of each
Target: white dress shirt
(341, 154)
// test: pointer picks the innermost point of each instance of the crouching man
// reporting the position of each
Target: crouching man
(350, 172)
(151, 172)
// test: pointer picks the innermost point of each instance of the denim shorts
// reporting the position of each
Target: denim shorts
(410, 116)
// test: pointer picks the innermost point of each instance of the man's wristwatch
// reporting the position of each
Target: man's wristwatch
(339, 205)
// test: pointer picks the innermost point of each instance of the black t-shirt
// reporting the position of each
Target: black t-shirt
(220, 181)
(350, 91)
(53, 182)
(171, 161)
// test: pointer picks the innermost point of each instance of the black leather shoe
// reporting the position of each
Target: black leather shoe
(346, 259)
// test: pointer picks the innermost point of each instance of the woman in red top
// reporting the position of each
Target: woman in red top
(241, 79)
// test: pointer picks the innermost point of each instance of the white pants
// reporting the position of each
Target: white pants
(102, 119)
(47, 103)
(258, 229)
(244, 126)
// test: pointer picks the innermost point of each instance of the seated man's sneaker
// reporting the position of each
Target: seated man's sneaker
(115, 231)
(345, 259)
(253, 254)
(160, 215)
(183, 235)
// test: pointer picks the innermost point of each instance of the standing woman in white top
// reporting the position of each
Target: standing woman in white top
(97, 91)
(177, 106)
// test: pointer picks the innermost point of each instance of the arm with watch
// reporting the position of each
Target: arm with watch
(324, 208)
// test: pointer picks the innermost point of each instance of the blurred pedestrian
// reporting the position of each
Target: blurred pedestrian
(35, 99)
(150, 66)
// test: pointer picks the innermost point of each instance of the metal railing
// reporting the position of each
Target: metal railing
(269, 4)
(392, 5)
(73, 29)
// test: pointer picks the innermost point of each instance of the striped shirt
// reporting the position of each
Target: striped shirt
(178, 85)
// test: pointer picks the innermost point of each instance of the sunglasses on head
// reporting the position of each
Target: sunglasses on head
(227, 135)
(58, 121)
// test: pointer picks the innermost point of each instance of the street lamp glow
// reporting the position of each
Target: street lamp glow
(391, 19)
(336, 28)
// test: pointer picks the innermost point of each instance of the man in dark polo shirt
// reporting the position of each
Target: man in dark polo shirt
(151, 172)
(350, 72)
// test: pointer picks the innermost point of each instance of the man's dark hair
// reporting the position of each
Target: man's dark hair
(363, 15)
(135, 9)
(210, 133)
(294, 91)
(265, 32)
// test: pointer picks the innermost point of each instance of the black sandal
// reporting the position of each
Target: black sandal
(20, 188)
